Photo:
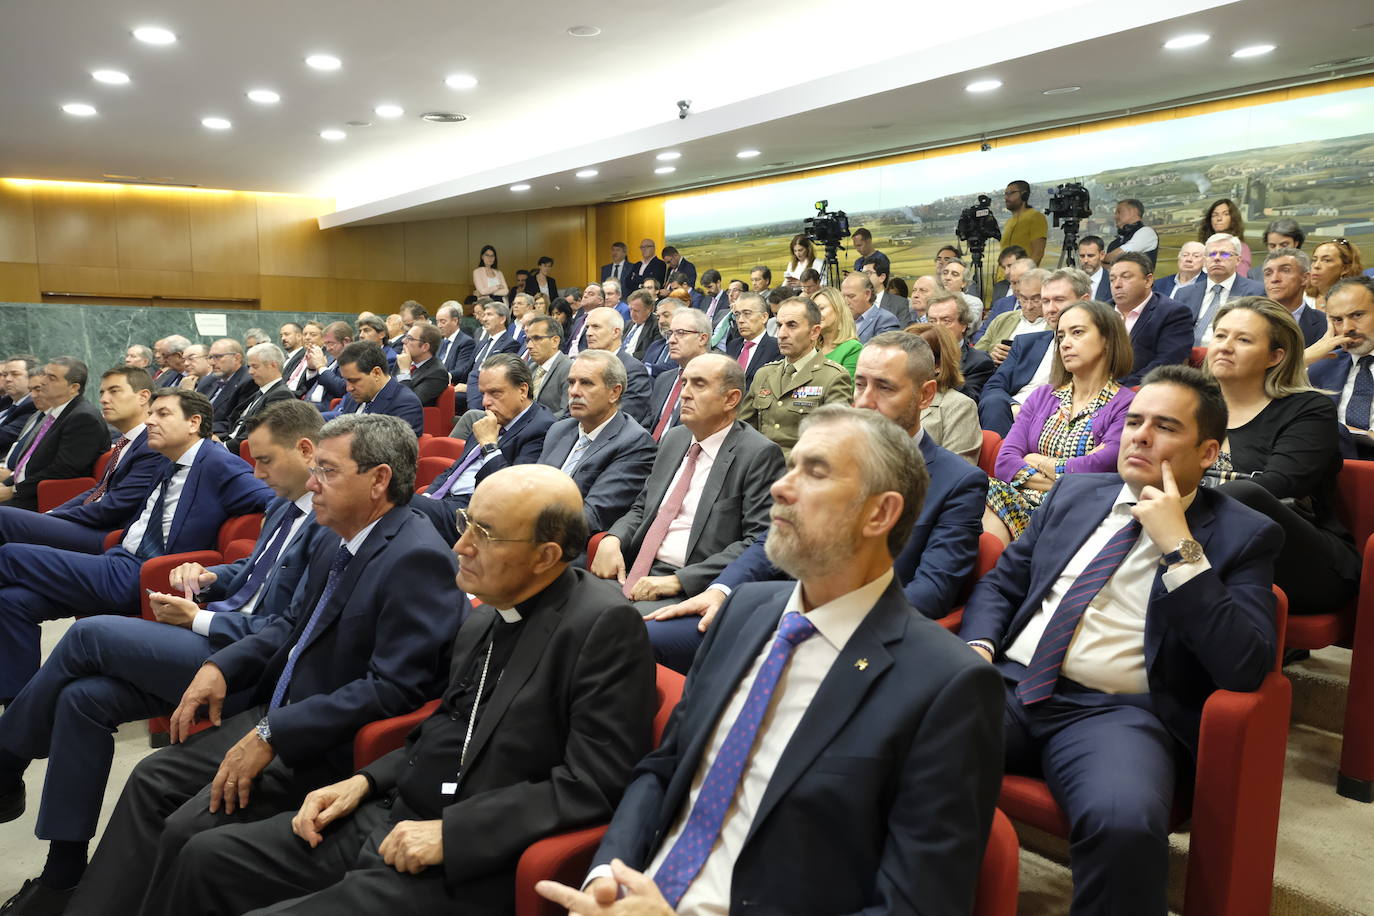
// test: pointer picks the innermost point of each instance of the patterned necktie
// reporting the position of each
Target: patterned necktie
(1203, 323)
(219, 389)
(335, 573)
(99, 491)
(684, 861)
(667, 416)
(265, 563)
(1043, 671)
(653, 539)
(744, 354)
(33, 444)
(443, 350)
(574, 458)
(472, 456)
(154, 540)
(1361, 395)
(539, 375)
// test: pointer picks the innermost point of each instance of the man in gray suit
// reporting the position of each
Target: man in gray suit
(606, 331)
(899, 307)
(606, 453)
(1222, 284)
(548, 364)
(706, 499)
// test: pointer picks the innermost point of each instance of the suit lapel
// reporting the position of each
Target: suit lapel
(714, 481)
(375, 542)
(187, 500)
(1201, 520)
(609, 433)
(470, 635)
(1063, 540)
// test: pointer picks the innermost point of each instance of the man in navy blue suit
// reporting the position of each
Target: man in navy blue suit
(754, 348)
(1285, 281)
(63, 440)
(895, 377)
(1348, 373)
(1192, 257)
(1091, 250)
(370, 390)
(872, 710)
(1222, 284)
(16, 384)
(82, 522)
(1027, 365)
(677, 264)
(202, 487)
(620, 269)
(228, 380)
(457, 350)
(1128, 601)
(500, 339)
(322, 382)
(606, 453)
(354, 646)
(108, 670)
(648, 267)
(605, 331)
(1161, 329)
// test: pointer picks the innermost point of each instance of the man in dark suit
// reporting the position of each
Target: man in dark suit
(895, 377)
(1285, 272)
(706, 499)
(458, 349)
(606, 453)
(715, 300)
(647, 267)
(953, 312)
(881, 714)
(372, 329)
(82, 522)
(20, 405)
(63, 440)
(500, 339)
(675, 263)
(170, 353)
(899, 308)
(1348, 373)
(861, 296)
(352, 648)
(108, 669)
(605, 330)
(641, 329)
(1192, 257)
(419, 368)
(511, 433)
(553, 740)
(202, 487)
(620, 269)
(1161, 329)
(754, 348)
(322, 383)
(549, 365)
(656, 358)
(575, 340)
(1128, 601)
(230, 379)
(1091, 260)
(267, 387)
(369, 390)
(688, 337)
(1221, 285)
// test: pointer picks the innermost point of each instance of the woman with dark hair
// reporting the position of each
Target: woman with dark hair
(1331, 262)
(487, 280)
(1224, 216)
(1282, 450)
(1072, 425)
(803, 258)
(560, 309)
(897, 287)
(951, 420)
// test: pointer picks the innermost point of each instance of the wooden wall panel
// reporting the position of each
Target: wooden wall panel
(560, 233)
(75, 225)
(156, 283)
(297, 294)
(16, 224)
(19, 282)
(226, 286)
(505, 231)
(67, 278)
(368, 252)
(153, 230)
(290, 242)
(224, 233)
(437, 252)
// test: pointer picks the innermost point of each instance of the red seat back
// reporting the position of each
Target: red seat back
(442, 447)
(1197, 357)
(101, 463)
(1356, 485)
(987, 455)
(427, 469)
(246, 455)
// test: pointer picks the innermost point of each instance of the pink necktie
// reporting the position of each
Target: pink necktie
(744, 354)
(653, 540)
(38, 437)
(668, 408)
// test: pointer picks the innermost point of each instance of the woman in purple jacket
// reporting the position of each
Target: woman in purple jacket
(1072, 424)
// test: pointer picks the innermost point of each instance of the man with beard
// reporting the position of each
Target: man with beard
(901, 734)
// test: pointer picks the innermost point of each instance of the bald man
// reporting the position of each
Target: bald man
(552, 750)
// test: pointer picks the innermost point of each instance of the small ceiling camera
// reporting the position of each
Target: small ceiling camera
(684, 108)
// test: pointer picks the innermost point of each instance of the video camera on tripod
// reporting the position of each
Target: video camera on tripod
(977, 225)
(1069, 204)
(827, 229)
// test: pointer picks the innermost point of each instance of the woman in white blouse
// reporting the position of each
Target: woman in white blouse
(486, 279)
(803, 257)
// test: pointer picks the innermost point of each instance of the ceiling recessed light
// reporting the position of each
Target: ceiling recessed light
(520, 187)
(584, 31)
(264, 96)
(323, 62)
(1253, 51)
(984, 85)
(332, 133)
(1062, 90)
(216, 123)
(112, 77)
(665, 169)
(668, 156)
(1187, 41)
(357, 123)
(389, 111)
(154, 35)
(443, 117)
(460, 81)
(747, 154)
(80, 109)
(588, 173)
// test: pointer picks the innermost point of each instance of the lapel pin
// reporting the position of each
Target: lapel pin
(861, 664)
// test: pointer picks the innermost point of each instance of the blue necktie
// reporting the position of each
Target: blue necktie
(1043, 671)
(335, 574)
(684, 861)
(1362, 395)
(153, 543)
(265, 563)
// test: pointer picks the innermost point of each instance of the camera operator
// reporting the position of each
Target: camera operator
(1131, 233)
(863, 244)
(1027, 228)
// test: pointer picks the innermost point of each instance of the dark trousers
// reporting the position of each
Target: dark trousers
(43, 583)
(105, 671)
(675, 641)
(1110, 765)
(1317, 570)
(20, 526)
(994, 411)
(265, 868)
(166, 802)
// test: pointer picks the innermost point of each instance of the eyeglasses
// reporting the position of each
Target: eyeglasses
(682, 333)
(481, 536)
(1030, 299)
(327, 474)
(539, 337)
(1224, 255)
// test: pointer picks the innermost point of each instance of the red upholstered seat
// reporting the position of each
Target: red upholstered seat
(1196, 358)
(442, 447)
(429, 468)
(989, 551)
(987, 455)
(54, 492)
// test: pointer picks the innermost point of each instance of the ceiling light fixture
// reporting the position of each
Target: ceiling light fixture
(983, 85)
(668, 156)
(1187, 41)
(79, 109)
(747, 154)
(584, 31)
(520, 187)
(389, 111)
(460, 81)
(332, 134)
(264, 96)
(111, 77)
(323, 62)
(665, 170)
(1253, 51)
(443, 117)
(588, 173)
(216, 123)
(154, 35)
(1062, 90)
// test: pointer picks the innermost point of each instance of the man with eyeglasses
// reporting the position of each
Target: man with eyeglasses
(548, 364)
(369, 390)
(647, 267)
(1222, 284)
(688, 334)
(231, 381)
(754, 347)
(605, 331)
(352, 648)
(419, 370)
(1027, 318)
(861, 297)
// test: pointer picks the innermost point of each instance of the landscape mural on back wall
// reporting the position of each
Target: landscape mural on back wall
(1311, 159)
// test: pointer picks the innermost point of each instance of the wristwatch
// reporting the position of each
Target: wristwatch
(1187, 551)
(264, 730)
(490, 448)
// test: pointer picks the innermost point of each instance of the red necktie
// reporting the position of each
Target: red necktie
(109, 472)
(744, 354)
(668, 408)
(653, 540)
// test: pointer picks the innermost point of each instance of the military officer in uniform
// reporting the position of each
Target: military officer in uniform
(786, 391)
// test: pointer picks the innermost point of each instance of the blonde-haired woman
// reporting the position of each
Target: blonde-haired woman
(951, 420)
(839, 337)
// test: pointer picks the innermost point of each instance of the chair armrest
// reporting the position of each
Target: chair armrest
(113, 538)
(155, 574)
(564, 857)
(237, 550)
(376, 739)
(53, 493)
(593, 543)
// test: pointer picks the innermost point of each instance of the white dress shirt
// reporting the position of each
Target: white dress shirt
(1108, 650)
(754, 350)
(1349, 388)
(1179, 284)
(129, 437)
(1208, 290)
(468, 482)
(134, 536)
(1028, 327)
(673, 550)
